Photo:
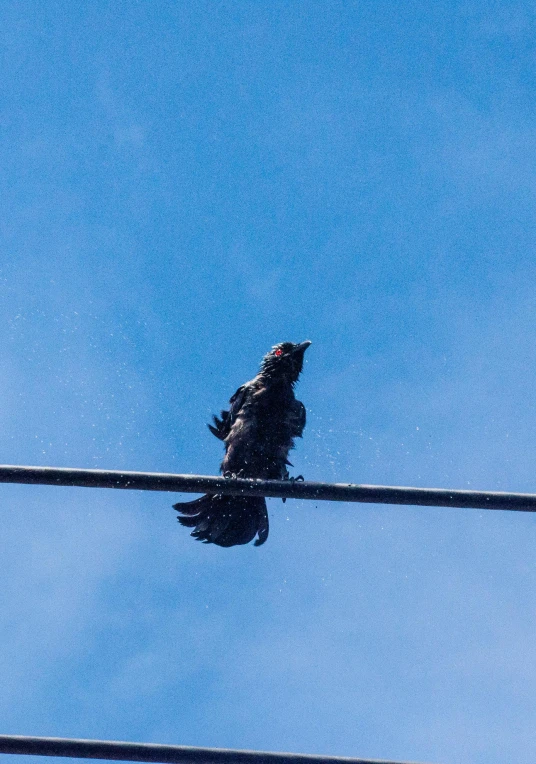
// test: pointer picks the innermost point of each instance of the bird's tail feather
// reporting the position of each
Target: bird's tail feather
(225, 520)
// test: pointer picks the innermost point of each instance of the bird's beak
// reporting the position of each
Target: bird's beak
(302, 347)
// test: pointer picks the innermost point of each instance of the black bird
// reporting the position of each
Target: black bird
(258, 432)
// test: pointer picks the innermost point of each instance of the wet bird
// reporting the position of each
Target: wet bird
(258, 431)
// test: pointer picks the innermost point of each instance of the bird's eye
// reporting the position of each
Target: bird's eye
(278, 352)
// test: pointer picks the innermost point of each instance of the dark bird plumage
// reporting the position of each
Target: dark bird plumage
(258, 432)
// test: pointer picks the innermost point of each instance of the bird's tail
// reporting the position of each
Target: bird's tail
(225, 520)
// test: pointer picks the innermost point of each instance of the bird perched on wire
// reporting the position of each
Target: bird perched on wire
(258, 432)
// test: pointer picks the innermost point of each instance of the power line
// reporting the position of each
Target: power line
(290, 489)
(167, 754)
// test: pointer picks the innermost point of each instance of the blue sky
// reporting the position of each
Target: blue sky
(183, 185)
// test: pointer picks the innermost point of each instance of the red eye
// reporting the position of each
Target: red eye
(278, 352)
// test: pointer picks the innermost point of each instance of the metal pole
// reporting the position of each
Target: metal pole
(167, 754)
(375, 494)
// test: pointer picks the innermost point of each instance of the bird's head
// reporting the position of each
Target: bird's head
(285, 360)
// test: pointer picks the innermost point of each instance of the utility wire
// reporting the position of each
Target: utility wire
(290, 489)
(167, 754)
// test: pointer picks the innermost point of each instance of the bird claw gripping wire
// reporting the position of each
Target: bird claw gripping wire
(232, 475)
(297, 479)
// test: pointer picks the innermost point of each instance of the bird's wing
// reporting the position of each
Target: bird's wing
(298, 418)
(222, 427)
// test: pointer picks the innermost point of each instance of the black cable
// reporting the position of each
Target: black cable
(167, 754)
(375, 494)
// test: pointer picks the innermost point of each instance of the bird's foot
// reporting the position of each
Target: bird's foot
(298, 479)
(232, 475)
